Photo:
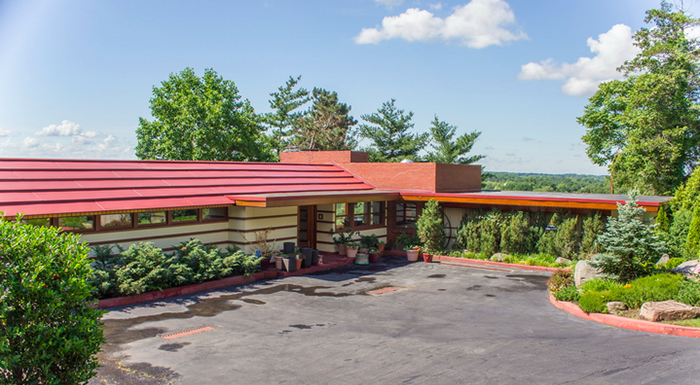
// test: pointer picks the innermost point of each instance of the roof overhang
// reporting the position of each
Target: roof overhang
(311, 198)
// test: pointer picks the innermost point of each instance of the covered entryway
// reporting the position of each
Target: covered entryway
(306, 228)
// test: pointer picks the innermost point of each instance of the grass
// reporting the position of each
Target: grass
(545, 260)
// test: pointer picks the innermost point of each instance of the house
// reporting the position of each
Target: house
(301, 199)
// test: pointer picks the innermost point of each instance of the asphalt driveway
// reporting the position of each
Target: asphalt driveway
(391, 323)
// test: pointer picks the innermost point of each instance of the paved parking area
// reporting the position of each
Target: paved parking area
(415, 324)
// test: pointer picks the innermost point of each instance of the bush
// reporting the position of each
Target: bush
(595, 301)
(689, 292)
(598, 284)
(692, 244)
(593, 226)
(560, 279)
(569, 294)
(658, 287)
(430, 227)
(144, 270)
(49, 332)
(567, 240)
(673, 263)
(631, 247)
(517, 236)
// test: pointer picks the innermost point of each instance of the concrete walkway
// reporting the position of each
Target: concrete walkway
(432, 324)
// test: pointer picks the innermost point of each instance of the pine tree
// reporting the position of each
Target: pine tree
(390, 133)
(328, 126)
(446, 149)
(285, 116)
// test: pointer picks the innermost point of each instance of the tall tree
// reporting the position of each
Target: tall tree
(201, 119)
(390, 133)
(286, 116)
(446, 149)
(646, 127)
(327, 126)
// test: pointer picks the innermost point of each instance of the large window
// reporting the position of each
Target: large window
(406, 215)
(152, 218)
(214, 213)
(359, 215)
(184, 215)
(115, 221)
(81, 223)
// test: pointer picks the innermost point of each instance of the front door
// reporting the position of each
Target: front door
(306, 230)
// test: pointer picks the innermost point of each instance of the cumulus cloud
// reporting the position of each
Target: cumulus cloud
(435, 7)
(582, 78)
(30, 142)
(75, 147)
(389, 3)
(66, 128)
(478, 24)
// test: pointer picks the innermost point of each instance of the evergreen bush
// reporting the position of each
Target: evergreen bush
(49, 330)
(593, 226)
(430, 227)
(692, 244)
(517, 235)
(689, 292)
(567, 239)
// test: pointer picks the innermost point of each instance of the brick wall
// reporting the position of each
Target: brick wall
(419, 176)
(323, 157)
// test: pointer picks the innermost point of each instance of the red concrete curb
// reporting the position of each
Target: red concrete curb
(182, 290)
(626, 323)
(494, 264)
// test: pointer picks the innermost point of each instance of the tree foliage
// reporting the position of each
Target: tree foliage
(201, 119)
(327, 126)
(430, 227)
(49, 331)
(447, 149)
(508, 181)
(646, 127)
(389, 129)
(286, 117)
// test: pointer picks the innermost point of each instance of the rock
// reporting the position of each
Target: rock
(584, 272)
(687, 269)
(563, 261)
(498, 257)
(615, 307)
(667, 311)
(662, 261)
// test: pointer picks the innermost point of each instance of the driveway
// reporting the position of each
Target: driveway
(391, 323)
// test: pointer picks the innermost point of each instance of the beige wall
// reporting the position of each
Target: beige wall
(282, 221)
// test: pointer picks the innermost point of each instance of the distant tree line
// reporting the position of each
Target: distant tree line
(509, 181)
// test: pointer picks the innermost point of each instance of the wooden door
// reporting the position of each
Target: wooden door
(306, 229)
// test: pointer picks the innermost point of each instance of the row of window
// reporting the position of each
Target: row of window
(131, 220)
(359, 215)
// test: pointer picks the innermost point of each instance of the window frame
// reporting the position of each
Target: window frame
(368, 213)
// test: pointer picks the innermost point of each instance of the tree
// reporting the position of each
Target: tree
(688, 194)
(390, 133)
(327, 126)
(693, 243)
(445, 150)
(630, 247)
(50, 332)
(201, 119)
(646, 127)
(430, 227)
(284, 120)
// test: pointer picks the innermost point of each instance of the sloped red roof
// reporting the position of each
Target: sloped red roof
(46, 187)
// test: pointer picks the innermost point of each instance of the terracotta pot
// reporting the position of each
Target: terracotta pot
(342, 250)
(351, 252)
(374, 257)
(427, 258)
(412, 255)
(381, 247)
(299, 261)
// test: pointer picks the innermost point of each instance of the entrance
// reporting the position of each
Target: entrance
(306, 229)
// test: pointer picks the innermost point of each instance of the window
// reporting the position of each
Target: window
(115, 221)
(151, 218)
(184, 215)
(81, 223)
(405, 215)
(214, 213)
(363, 214)
(37, 221)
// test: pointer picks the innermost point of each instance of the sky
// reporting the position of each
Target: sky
(76, 75)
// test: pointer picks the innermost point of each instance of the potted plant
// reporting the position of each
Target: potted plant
(369, 241)
(431, 230)
(412, 253)
(342, 238)
(279, 265)
(374, 255)
(380, 246)
(351, 249)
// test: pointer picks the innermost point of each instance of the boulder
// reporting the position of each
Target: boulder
(687, 269)
(498, 257)
(563, 261)
(662, 261)
(584, 272)
(667, 311)
(615, 307)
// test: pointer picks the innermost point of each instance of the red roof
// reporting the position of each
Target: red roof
(45, 187)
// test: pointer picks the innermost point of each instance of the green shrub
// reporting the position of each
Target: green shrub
(692, 243)
(631, 247)
(517, 235)
(49, 331)
(369, 241)
(595, 301)
(673, 263)
(430, 227)
(593, 226)
(598, 284)
(560, 279)
(689, 292)
(568, 239)
(144, 270)
(658, 287)
(569, 294)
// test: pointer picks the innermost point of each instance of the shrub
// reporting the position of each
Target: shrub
(598, 284)
(595, 301)
(673, 263)
(569, 294)
(144, 270)
(658, 287)
(369, 241)
(430, 227)
(692, 244)
(689, 292)
(631, 247)
(560, 279)
(49, 332)
(517, 235)
(567, 239)
(593, 226)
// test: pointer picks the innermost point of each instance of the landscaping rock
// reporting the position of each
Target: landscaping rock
(662, 261)
(686, 269)
(498, 257)
(615, 307)
(563, 261)
(667, 311)
(584, 272)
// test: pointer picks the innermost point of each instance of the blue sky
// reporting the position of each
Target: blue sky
(76, 75)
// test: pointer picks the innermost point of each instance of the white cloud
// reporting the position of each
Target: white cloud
(66, 128)
(389, 3)
(582, 78)
(478, 24)
(4, 132)
(30, 142)
(77, 147)
(435, 7)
